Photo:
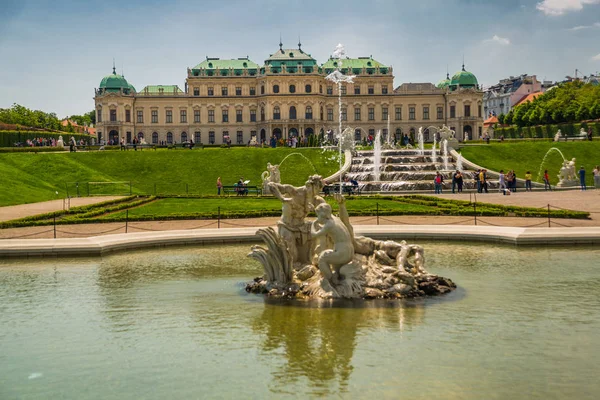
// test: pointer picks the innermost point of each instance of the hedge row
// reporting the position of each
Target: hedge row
(9, 138)
(547, 131)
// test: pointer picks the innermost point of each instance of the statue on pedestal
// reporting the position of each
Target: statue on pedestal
(271, 175)
(566, 175)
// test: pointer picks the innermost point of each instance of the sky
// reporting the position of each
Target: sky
(54, 53)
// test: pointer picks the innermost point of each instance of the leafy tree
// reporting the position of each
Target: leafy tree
(501, 118)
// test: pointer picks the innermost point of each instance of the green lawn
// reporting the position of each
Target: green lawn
(528, 156)
(33, 177)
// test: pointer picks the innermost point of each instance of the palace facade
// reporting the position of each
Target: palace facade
(287, 96)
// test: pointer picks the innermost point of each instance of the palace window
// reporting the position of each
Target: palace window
(384, 113)
(308, 114)
(321, 89)
(253, 91)
(292, 88)
(154, 137)
(169, 117)
(479, 110)
(140, 117)
(154, 116)
(276, 113)
(113, 115)
(196, 91)
(440, 113)
(197, 137)
(262, 113)
(223, 90)
(308, 89)
(344, 90)
(371, 89)
(329, 89)
(292, 112)
(238, 91)
(169, 138)
(225, 115)
(127, 115)
(371, 114)
(330, 114)
(262, 90)
(196, 116)
(183, 137)
(398, 113)
(238, 116)
(425, 112)
(357, 135)
(384, 134)
(275, 88)
(211, 91)
(240, 137)
(211, 137)
(183, 116)
(357, 113)
(344, 114)
(211, 115)
(99, 117)
(452, 111)
(252, 115)
(226, 136)
(356, 89)
(372, 133)
(384, 89)
(411, 113)
(467, 110)
(322, 116)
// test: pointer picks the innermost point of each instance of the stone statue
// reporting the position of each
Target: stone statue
(325, 259)
(566, 175)
(270, 175)
(446, 133)
(557, 136)
(60, 142)
(582, 133)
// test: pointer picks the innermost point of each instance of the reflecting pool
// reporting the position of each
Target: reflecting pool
(176, 323)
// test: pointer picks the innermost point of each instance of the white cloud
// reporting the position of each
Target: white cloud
(596, 57)
(500, 40)
(559, 7)
(580, 27)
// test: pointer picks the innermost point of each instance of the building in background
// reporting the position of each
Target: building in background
(287, 96)
(502, 97)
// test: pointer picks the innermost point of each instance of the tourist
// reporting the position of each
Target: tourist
(438, 180)
(528, 181)
(478, 180)
(406, 140)
(589, 134)
(134, 142)
(454, 180)
(514, 181)
(273, 142)
(122, 143)
(582, 178)
(192, 144)
(501, 182)
(219, 186)
(597, 177)
(547, 181)
(459, 181)
(509, 180)
(485, 182)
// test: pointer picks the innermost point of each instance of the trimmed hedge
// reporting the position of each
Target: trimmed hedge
(547, 131)
(9, 138)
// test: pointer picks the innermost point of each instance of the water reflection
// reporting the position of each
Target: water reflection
(318, 341)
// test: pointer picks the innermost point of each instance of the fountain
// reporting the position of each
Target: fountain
(459, 163)
(323, 259)
(551, 150)
(433, 152)
(377, 156)
(420, 140)
(445, 153)
(567, 175)
(389, 134)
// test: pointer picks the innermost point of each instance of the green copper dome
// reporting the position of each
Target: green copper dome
(444, 83)
(114, 83)
(463, 79)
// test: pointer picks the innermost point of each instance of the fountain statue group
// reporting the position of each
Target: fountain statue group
(567, 175)
(325, 259)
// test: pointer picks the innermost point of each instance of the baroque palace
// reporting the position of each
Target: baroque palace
(287, 96)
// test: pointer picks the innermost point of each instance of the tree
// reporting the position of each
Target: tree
(508, 118)
(501, 118)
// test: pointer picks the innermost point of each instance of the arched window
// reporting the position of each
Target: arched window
(262, 113)
(169, 138)
(275, 88)
(308, 112)
(357, 135)
(276, 113)
(197, 137)
(140, 135)
(183, 137)
(308, 88)
(292, 112)
(154, 137)
(292, 88)
(262, 89)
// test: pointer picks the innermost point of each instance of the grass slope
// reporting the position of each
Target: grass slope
(33, 177)
(523, 157)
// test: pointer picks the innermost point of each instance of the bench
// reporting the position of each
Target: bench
(329, 190)
(242, 190)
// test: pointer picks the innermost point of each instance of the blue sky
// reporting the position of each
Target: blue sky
(54, 53)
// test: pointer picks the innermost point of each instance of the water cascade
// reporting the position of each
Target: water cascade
(445, 153)
(459, 163)
(389, 134)
(377, 156)
(420, 140)
(433, 152)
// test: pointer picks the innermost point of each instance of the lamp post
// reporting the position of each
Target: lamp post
(338, 78)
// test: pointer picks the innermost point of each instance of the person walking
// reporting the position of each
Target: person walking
(454, 178)
(582, 178)
(528, 181)
(480, 181)
(502, 182)
(459, 181)
(484, 182)
(597, 177)
(219, 186)
(438, 183)
(547, 181)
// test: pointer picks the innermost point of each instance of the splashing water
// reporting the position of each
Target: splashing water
(459, 161)
(445, 152)
(377, 156)
(433, 152)
(553, 149)
(389, 134)
(301, 155)
(420, 139)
